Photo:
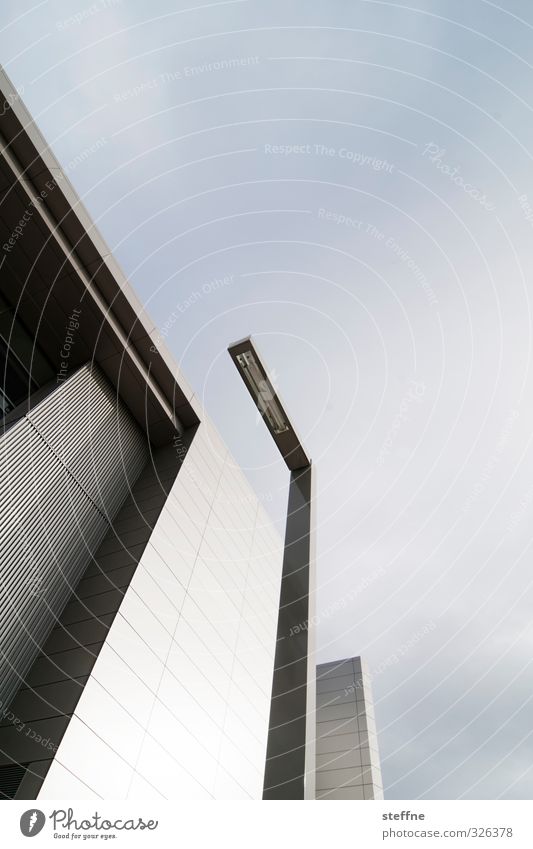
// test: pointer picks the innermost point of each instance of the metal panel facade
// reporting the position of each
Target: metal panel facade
(347, 757)
(177, 704)
(67, 465)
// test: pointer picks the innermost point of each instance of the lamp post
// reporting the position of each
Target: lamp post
(290, 759)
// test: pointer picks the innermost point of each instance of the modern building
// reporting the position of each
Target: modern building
(140, 576)
(347, 757)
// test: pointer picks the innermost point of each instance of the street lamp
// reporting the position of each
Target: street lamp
(290, 760)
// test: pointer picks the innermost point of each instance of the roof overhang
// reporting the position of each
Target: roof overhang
(60, 262)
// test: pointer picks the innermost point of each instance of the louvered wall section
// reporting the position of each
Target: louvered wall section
(66, 468)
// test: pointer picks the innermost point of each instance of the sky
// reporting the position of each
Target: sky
(351, 182)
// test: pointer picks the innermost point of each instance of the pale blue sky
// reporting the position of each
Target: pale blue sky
(400, 341)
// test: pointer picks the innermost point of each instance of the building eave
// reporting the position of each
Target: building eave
(133, 357)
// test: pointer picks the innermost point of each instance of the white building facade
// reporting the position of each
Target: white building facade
(139, 573)
(177, 703)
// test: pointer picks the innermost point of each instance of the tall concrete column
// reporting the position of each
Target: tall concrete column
(290, 763)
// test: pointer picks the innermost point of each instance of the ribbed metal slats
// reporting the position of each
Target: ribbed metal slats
(10, 779)
(65, 469)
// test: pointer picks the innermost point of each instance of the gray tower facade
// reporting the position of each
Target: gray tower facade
(347, 755)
